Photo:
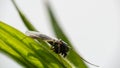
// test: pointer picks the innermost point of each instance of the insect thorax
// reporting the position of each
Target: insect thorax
(59, 47)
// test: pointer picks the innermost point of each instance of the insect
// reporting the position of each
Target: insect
(57, 45)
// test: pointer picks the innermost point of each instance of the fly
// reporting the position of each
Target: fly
(57, 45)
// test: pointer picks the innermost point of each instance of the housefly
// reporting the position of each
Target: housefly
(57, 45)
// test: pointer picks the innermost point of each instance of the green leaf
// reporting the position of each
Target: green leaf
(59, 33)
(73, 56)
(24, 19)
(27, 51)
(31, 28)
(26, 22)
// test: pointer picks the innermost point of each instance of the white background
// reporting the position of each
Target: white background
(91, 25)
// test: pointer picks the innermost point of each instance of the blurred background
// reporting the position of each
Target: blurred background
(91, 25)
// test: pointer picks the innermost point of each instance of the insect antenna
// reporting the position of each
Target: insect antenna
(89, 62)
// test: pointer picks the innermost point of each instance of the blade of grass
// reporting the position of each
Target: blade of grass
(17, 46)
(73, 56)
(24, 19)
(29, 28)
(10, 52)
(26, 22)
(28, 51)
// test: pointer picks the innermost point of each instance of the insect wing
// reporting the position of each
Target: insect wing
(36, 35)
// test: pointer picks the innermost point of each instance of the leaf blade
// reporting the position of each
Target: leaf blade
(28, 49)
(26, 22)
(60, 34)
